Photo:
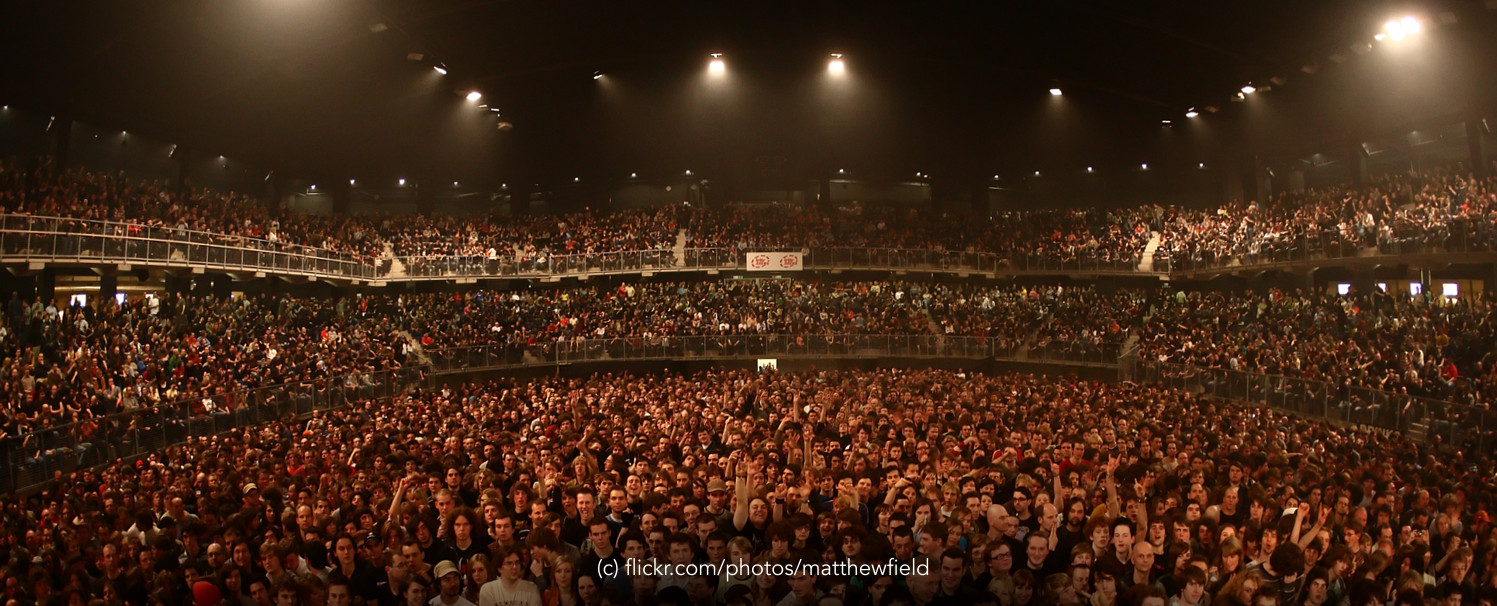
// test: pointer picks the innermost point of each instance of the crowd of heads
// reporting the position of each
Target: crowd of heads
(69, 363)
(1428, 211)
(994, 488)
(1424, 346)
(1433, 210)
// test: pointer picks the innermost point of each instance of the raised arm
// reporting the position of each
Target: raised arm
(741, 491)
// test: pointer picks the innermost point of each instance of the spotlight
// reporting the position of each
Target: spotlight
(401, 182)
(1055, 92)
(1411, 25)
(1165, 122)
(576, 179)
(597, 75)
(1191, 113)
(353, 181)
(1249, 89)
(633, 175)
(688, 172)
(1036, 173)
(313, 188)
(841, 171)
(717, 66)
(1201, 165)
(1089, 170)
(1144, 166)
(474, 96)
(440, 69)
(835, 65)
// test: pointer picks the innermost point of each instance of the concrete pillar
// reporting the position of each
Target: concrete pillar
(46, 284)
(109, 284)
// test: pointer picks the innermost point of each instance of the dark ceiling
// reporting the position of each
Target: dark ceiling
(328, 89)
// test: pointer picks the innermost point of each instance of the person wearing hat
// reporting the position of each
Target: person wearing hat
(449, 586)
(717, 502)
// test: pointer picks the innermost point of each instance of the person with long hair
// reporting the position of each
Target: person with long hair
(1242, 586)
(562, 588)
(480, 571)
(1228, 564)
(462, 530)
(767, 589)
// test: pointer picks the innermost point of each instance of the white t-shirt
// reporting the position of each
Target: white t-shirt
(494, 593)
(461, 601)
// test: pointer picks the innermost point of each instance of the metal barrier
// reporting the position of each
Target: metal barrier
(64, 240)
(748, 346)
(82, 241)
(714, 347)
(39, 457)
(1466, 425)
(1457, 237)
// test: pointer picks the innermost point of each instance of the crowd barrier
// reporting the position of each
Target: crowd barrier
(1464, 425)
(33, 459)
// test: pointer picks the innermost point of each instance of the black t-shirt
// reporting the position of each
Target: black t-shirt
(755, 536)
(364, 582)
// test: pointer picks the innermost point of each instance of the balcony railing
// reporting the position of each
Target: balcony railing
(35, 458)
(1453, 238)
(1463, 425)
(80, 241)
(59, 239)
(701, 259)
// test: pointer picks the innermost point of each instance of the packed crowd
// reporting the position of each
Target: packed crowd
(80, 362)
(77, 363)
(992, 489)
(43, 191)
(1065, 237)
(1421, 346)
(1430, 211)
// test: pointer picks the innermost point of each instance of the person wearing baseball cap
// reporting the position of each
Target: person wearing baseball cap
(449, 586)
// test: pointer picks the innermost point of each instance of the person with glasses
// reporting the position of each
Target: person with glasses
(510, 589)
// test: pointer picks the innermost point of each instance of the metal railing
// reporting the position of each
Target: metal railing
(746, 346)
(1457, 237)
(1460, 424)
(713, 347)
(700, 259)
(30, 460)
(962, 261)
(59, 239)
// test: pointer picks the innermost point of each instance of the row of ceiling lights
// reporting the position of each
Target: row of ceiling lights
(841, 171)
(1395, 30)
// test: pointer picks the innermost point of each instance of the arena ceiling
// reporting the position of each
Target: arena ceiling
(337, 88)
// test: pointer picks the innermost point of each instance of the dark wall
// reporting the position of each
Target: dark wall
(113, 151)
(24, 134)
(904, 194)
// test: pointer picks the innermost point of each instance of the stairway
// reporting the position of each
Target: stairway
(680, 249)
(417, 352)
(397, 269)
(1147, 262)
